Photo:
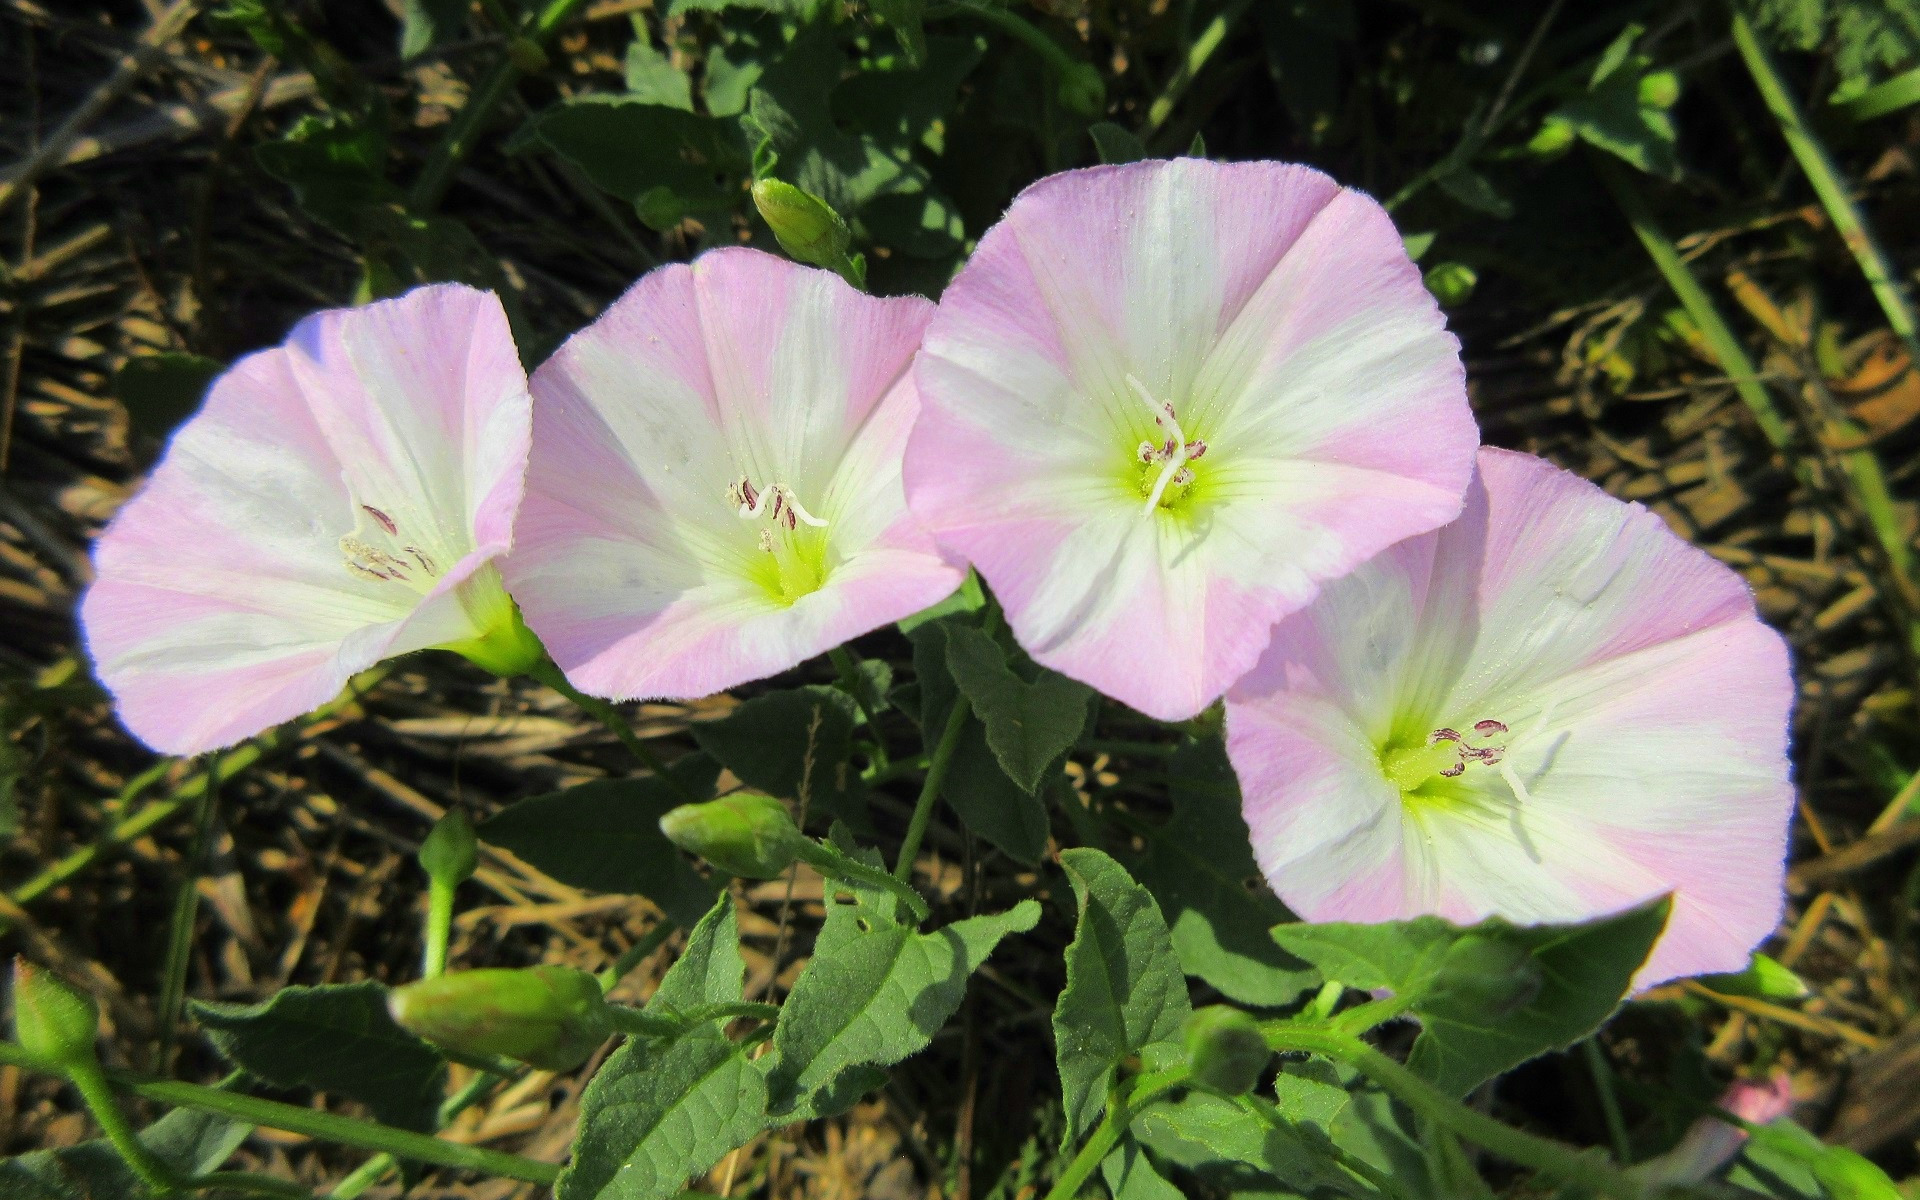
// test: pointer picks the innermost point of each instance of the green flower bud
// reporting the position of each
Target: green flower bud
(1554, 137)
(1226, 1049)
(1452, 283)
(527, 56)
(806, 226)
(1660, 89)
(1082, 91)
(51, 1020)
(747, 834)
(548, 1017)
(451, 853)
(1490, 977)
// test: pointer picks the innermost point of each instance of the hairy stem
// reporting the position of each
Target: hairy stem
(930, 789)
(610, 717)
(1119, 1115)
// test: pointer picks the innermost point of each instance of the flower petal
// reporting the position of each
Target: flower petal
(224, 604)
(1645, 712)
(1279, 316)
(634, 565)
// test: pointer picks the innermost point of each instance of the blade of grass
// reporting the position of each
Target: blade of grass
(1832, 190)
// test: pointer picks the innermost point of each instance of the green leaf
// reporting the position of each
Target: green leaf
(1471, 188)
(667, 162)
(1198, 867)
(990, 804)
(1623, 111)
(192, 1143)
(605, 836)
(1130, 1176)
(709, 970)
(653, 79)
(336, 165)
(1840, 1173)
(654, 1117)
(904, 18)
(1493, 995)
(878, 997)
(1231, 1147)
(1032, 722)
(336, 1039)
(1116, 144)
(161, 390)
(796, 745)
(425, 24)
(791, 8)
(1124, 988)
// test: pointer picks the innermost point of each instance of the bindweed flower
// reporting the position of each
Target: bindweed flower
(1164, 401)
(338, 500)
(1549, 710)
(715, 494)
(1709, 1144)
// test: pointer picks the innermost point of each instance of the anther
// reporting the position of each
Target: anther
(386, 522)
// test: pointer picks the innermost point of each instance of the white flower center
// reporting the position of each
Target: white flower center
(1172, 452)
(384, 554)
(776, 500)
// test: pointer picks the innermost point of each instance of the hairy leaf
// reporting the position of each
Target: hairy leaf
(336, 1039)
(605, 836)
(1124, 991)
(1030, 724)
(1493, 995)
(667, 162)
(796, 745)
(879, 997)
(709, 970)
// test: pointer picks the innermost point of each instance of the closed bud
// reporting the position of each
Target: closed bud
(548, 1017)
(1553, 137)
(451, 853)
(1082, 91)
(51, 1020)
(1452, 283)
(748, 834)
(806, 225)
(1226, 1049)
(527, 56)
(1661, 89)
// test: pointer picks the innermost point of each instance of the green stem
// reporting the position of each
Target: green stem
(1118, 1116)
(1362, 1017)
(1828, 186)
(439, 927)
(635, 954)
(91, 1083)
(1515, 1145)
(930, 789)
(833, 863)
(1270, 1115)
(856, 685)
(1012, 23)
(1609, 1102)
(635, 1022)
(362, 1177)
(186, 909)
(374, 1169)
(464, 133)
(247, 1181)
(546, 672)
(313, 1123)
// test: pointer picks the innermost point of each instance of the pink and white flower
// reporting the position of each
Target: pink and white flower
(714, 495)
(338, 500)
(1165, 401)
(1549, 710)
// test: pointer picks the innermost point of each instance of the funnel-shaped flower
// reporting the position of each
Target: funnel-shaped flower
(715, 495)
(1551, 709)
(339, 500)
(1165, 401)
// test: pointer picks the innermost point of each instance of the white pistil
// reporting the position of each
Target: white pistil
(778, 499)
(1175, 448)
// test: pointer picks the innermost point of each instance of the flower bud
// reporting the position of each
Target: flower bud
(1553, 137)
(1660, 89)
(748, 834)
(451, 853)
(548, 1017)
(1082, 91)
(51, 1020)
(1452, 283)
(807, 227)
(527, 56)
(1226, 1049)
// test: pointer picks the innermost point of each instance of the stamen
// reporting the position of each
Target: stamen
(785, 507)
(386, 522)
(1173, 453)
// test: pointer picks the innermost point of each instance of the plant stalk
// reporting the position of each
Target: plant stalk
(546, 672)
(930, 789)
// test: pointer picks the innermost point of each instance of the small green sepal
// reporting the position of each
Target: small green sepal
(451, 853)
(1225, 1049)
